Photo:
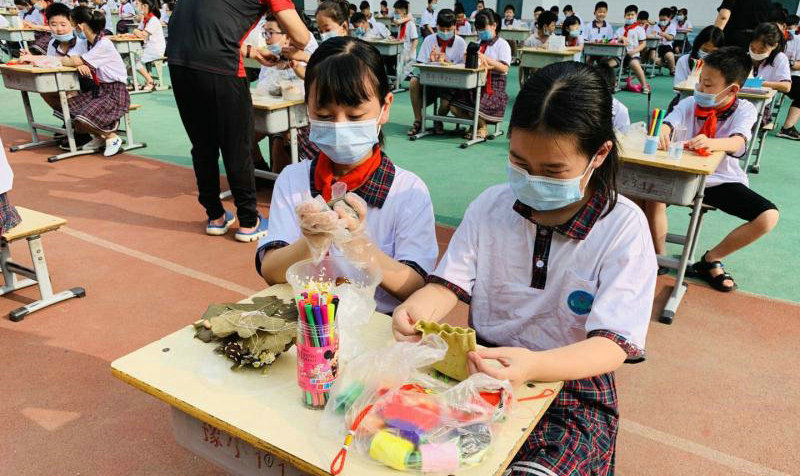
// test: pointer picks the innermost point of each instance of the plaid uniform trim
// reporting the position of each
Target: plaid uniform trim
(462, 295)
(9, 218)
(577, 228)
(262, 251)
(635, 353)
(413, 265)
(577, 434)
(375, 190)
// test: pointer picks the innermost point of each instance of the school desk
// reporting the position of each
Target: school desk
(537, 58)
(517, 35)
(19, 35)
(392, 48)
(223, 415)
(471, 38)
(453, 77)
(680, 39)
(8, 14)
(675, 182)
(651, 43)
(606, 50)
(760, 100)
(129, 46)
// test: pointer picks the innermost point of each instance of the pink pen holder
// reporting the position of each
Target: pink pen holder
(317, 357)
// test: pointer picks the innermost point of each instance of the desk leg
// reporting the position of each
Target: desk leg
(475, 116)
(675, 298)
(134, 79)
(36, 141)
(293, 145)
(620, 67)
(26, 101)
(756, 131)
(62, 96)
(398, 71)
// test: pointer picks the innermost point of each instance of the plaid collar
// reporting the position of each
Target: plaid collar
(375, 190)
(577, 227)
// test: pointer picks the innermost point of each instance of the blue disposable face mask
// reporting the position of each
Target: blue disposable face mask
(275, 49)
(663, 22)
(346, 143)
(66, 37)
(680, 18)
(630, 21)
(708, 100)
(484, 35)
(545, 193)
(80, 35)
(327, 35)
(445, 35)
(574, 33)
(360, 32)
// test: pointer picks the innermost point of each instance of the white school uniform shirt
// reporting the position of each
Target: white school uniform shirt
(777, 72)
(156, 44)
(403, 227)
(635, 36)
(534, 41)
(500, 51)
(378, 31)
(6, 174)
(593, 34)
(603, 282)
(80, 47)
(619, 113)
(515, 24)
(670, 30)
(103, 56)
(473, 14)
(687, 25)
(455, 53)
(428, 18)
(682, 69)
(127, 12)
(34, 17)
(793, 53)
(465, 29)
(740, 122)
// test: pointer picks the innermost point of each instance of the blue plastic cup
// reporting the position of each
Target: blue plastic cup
(650, 145)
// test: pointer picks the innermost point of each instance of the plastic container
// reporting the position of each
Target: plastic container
(651, 145)
(292, 90)
(676, 142)
(317, 356)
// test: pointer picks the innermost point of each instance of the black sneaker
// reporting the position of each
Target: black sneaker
(789, 133)
(80, 140)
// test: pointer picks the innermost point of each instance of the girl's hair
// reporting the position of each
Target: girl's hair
(458, 8)
(95, 19)
(770, 35)
(538, 9)
(574, 87)
(154, 6)
(709, 34)
(486, 17)
(336, 10)
(545, 18)
(23, 3)
(346, 71)
(570, 20)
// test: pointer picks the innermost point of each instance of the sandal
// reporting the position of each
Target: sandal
(149, 87)
(438, 128)
(482, 133)
(703, 269)
(415, 128)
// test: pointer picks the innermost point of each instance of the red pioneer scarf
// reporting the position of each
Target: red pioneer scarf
(324, 178)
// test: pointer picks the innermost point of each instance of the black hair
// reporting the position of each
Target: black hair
(792, 20)
(770, 35)
(684, 12)
(459, 8)
(538, 9)
(23, 3)
(554, 9)
(445, 18)
(482, 2)
(664, 12)
(777, 15)
(631, 8)
(510, 7)
(580, 89)
(336, 10)
(643, 15)
(732, 62)
(710, 34)
(95, 20)
(487, 17)
(56, 10)
(600, 4)
(384, 3)
(351, 7)
(545, 19)
(364, 5)
(401, 5)
(568, 8)
(568, 22)
(347, 71)
(357, 17)
(170, 5)
(154, 6)
(608, 73)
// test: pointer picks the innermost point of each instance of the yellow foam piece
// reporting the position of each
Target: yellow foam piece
(390, 449)
(460, 341)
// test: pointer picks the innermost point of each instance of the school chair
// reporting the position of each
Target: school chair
(33, 225)
(760, 139)
(156, 69)
(126, 131)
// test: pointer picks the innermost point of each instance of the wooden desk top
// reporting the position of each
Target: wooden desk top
(22, 28)
(125, 37)
(615, 45)
(266, 411)
(273, 104)
(31, 69)
(33, 223)
(688, 85)
(542, 51)
(449, 67)
(689, 161)
(385, 42)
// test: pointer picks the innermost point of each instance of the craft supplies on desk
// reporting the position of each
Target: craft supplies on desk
(317, 346)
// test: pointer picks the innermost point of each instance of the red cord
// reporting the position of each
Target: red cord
(341, 456)
(545, 393)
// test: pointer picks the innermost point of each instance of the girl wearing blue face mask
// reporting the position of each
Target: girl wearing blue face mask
(495, 54)
(349, 98)
(557, 268)
(333, 19)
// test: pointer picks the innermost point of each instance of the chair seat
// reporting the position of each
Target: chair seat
(134, 107)
(33, 223)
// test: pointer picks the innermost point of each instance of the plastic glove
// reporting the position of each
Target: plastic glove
(355, 244)
(317, 223)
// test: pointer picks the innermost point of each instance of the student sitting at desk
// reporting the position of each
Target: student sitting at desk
(29, 13)
(333, 19)
(41, 38)
(407, 33)
(364, 8)
(708, 41)
(789, 131)
(634, 37)
(108, 9)
(155, 44)
(509, 22)
(463, 27)
(385, 12)
(665, 31)
(536, 12)
(572, 33)
(715, 120)
(365, 30)
(682, 25)
(478, 7)
(545, 28)
(127, 16)
(769, 61)
(598, 30)
(443, 47)
(427, 24)
(558, 270)
(349, 99)
(569, 12)
(495, 55)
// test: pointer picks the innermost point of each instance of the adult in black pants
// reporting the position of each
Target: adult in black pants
(213, 96)
(739, 18)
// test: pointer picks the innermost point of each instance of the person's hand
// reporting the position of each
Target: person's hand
(84, 71)
(700, 142)
(292, 53)
(317, 223)
(354, 243)
(435, 55)
(663, 137)
(264, 56)
(516, 362)
(403, 323)
(352, 223)
(25, 56)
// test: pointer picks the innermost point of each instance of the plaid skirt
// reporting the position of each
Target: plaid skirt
(9, 218)
(40, 42)
(576, 436)
(101, 109)
(493, 106)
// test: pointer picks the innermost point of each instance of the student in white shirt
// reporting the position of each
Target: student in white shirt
(365, 30)
(536, 12)
(665, 30)
(29, 12)
(572, 35)
(427, 24)
(708, 40)
(509, 22)
(463, 27)
(108, 9)
(395, 224)
(385, 12)
(155, 44)
(478, 7)
(769, 62)
(717, 120)
(557, 268)
(407, 32)
(127, 17)
(682, 24)
(789, 131)
(9, 218)
(446, 47)
(633, 36)
(545, 28)
(599, 29)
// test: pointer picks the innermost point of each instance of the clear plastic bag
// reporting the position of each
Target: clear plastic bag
(398, 416)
